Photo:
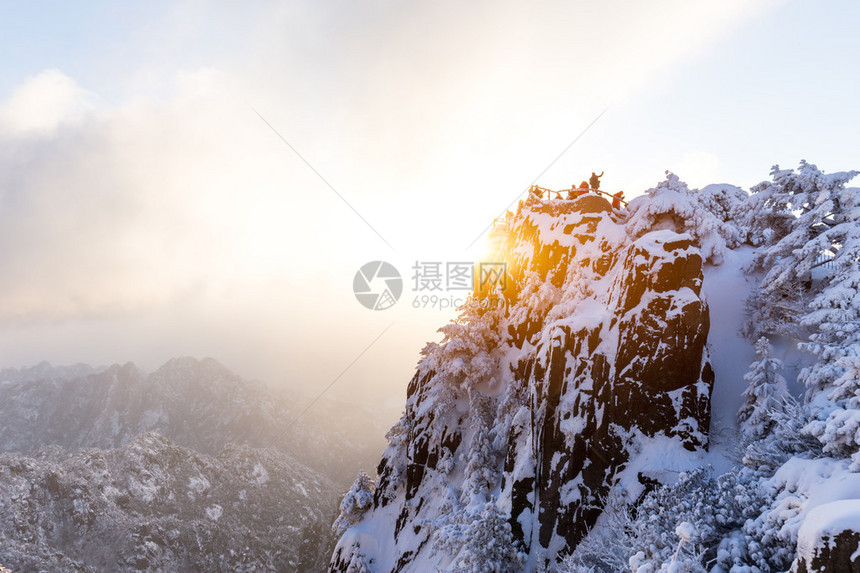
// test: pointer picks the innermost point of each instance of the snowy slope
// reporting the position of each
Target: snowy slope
(727, 288)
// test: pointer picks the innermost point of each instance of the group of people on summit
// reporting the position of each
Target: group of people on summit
(590, 186)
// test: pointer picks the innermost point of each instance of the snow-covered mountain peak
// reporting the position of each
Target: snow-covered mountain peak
(528, 412)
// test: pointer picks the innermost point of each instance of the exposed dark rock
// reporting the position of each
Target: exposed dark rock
(836, 555)
(655, 378)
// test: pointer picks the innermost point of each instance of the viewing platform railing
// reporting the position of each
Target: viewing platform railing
(580, 190)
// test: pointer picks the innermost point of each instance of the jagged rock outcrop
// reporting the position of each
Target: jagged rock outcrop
(641, 368)
(829, 538)
(532, 409)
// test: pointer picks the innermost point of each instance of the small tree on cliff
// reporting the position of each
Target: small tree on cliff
(766, 392)
(355, 503)
(358, 561)
(489, 546)
(464, 360)
(480, 466)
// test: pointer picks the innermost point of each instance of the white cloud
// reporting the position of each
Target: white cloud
(135, 207)
(176, 213)
(44, 102)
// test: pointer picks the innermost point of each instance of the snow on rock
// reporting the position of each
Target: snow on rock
(813, 483)
(214, 512)
(673, 205)
(830, 536)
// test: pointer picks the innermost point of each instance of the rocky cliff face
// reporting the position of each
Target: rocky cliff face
(521, 423)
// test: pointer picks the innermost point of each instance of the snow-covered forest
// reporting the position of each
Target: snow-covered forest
(670, 386)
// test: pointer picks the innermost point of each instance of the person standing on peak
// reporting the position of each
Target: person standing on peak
(595, 180)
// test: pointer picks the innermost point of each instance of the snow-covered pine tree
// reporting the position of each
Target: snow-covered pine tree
(835, 313)
(829, 223)
(839, 431)
(480, 465)
(788, 438)
(680, 527)
(490, 545)
(798, 218)
(769, 213)
(355, 503)
(766, 393)
(814, 221)
(726, 203)
(537, 297)
(358, 562)
(464, 357)
(834, 380)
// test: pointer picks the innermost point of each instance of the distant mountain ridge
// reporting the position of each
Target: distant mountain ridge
(45, 369)
(199, 404)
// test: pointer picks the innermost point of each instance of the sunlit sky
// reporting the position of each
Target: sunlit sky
(146, 210)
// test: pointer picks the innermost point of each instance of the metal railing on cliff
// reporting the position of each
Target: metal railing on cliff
(577, 192)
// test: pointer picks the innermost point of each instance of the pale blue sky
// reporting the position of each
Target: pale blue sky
(146, 211)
